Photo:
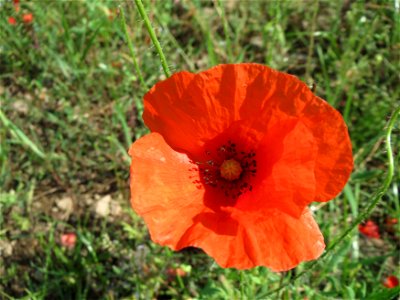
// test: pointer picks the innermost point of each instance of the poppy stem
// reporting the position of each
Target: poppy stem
(153, 37)
(130, 46)
(375, 199)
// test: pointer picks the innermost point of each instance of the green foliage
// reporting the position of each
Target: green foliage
(71, 105)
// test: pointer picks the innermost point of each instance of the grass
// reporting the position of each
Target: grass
(71, 105)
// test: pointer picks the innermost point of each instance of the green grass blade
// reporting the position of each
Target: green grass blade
(131, 49)
(153, 37)
(221, 11)
(18, 134)
(89, 44)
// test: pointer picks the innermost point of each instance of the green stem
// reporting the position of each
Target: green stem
(221, 8)
(130, 46)
(242, 284)
(375, 199)
(153, 37)
(311, 41)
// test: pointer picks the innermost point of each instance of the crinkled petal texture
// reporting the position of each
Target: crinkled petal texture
(303, 154)
(189, 109)
(164, 194)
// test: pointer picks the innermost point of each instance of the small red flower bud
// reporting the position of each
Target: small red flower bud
(27, 18)
(391, 282)
(12, 21)
(369, 229)
(175, 272)
(68, 240)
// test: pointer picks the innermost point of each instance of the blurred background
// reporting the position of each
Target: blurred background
(71, 105)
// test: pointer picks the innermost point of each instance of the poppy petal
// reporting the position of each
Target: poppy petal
(209, 102)
(334, 162)
(268, 238)
(159, 197)
(164, 110)
(285, 178)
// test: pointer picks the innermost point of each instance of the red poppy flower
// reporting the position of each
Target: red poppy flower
(68, 240)
(235, 156)
(369, 229)
(27, 18)
(12, 21)
(391, 282)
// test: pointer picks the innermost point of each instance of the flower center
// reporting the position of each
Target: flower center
(227, 169)
(230, 169)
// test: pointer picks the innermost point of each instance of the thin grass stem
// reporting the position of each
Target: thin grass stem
(176, 44)
(21, 136)
(311, 41)
(221, 10)
(153, 37)
(362, 216)
(131, 50)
